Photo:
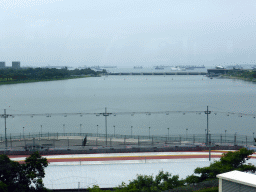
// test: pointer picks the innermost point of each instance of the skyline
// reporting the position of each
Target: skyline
(127, 33)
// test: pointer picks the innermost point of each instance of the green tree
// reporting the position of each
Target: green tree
(22, 177)
(228, 162)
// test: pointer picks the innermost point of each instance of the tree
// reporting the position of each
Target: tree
(22, 177)
(163, 181)
(228, 162)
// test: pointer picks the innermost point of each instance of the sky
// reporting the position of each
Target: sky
(127, 33)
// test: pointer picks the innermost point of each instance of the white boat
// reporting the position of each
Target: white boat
(177, 68)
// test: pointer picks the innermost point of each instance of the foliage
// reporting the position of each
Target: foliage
(212, 189)
(39, 74)
(228, 162)
(22, 177)
(244, 74)
(198, 186)
(163, 181)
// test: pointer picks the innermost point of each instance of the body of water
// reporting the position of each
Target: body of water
(131, 94)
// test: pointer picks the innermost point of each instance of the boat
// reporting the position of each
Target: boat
(161, 68)
(177, 68)
(137, 67)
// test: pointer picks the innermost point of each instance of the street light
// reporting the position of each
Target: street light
(149, 132)
(131, 131)
(186, 134)
(80, 128)
(114, 131)
(225, 136)
(41, 130)
(64, 129)
(23, 132)
(253, 138)
(168, 132)
(97, 130)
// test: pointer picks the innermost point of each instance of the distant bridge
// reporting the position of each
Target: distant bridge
(161, 73)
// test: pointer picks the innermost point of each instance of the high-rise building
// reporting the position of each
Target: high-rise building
(2, 64)
(16, 64)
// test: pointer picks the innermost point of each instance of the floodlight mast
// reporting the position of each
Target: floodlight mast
(207, 134)
(5, 128)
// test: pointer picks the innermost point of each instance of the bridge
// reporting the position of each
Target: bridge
(160, 73)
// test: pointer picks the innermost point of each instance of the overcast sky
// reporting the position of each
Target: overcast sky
(127, 32)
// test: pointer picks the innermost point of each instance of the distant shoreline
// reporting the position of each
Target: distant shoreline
(43, 80)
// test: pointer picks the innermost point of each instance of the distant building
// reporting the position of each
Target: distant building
(15, 64)
(2, 64)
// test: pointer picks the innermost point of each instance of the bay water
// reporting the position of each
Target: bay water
(226, 98)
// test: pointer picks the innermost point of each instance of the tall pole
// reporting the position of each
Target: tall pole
(114, 131)
(131, 131)
(225, 137)
(23, 133)
(106, 127)
(207, 134)
(149, 132)
(5, 128)
(186, 134)
(253, 139)
(64, 129)
(97, 130)
(168, 133)
(80, 128)
(41, 130)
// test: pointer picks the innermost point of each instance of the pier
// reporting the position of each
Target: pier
(161, 73)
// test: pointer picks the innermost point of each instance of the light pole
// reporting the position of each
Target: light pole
(131, 131)
(80, 128)
(41, 130)
(168, 132)
(253, 138)
(186, 134)
(149, 133)
(23, 132)
(64, 129)
(114, 131)
(97, 130)
(225, 136)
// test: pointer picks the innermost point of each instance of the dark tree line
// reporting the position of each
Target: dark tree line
(22, 74)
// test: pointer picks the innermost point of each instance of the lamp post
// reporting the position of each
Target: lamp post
(168, 132)
(253, 138)
(23, 132)
(186, 134)
(131, 131)
(64, 129)
(97, 130)
(225, 136)
(80, 129)
(41, 130)
(114, 131)
(149, 132)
